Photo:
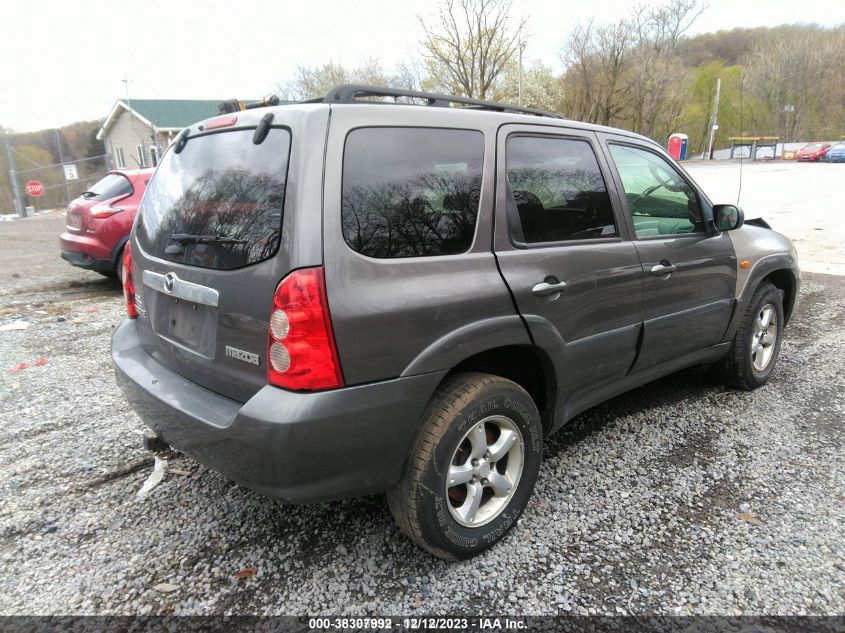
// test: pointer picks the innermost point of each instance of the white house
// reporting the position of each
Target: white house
(137, 131)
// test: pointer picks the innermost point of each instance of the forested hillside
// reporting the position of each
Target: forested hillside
(642, 72)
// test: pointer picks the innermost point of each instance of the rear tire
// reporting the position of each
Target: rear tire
(756, 344)
(472, 467)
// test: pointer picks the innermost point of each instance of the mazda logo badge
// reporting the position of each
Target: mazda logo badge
(169, 282)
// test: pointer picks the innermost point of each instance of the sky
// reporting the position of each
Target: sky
(62, 62)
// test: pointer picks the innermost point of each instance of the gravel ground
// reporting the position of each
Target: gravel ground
(680, 497)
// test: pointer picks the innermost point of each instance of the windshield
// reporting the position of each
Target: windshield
(218, 203)
(814, 146)
(112, 186)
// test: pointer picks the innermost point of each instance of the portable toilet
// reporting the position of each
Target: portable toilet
(678, 146)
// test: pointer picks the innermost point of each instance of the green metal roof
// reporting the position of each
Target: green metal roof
(165, 113)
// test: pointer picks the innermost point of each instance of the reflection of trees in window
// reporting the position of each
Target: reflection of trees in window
(242, 205)
(557, 188)
(429, 214)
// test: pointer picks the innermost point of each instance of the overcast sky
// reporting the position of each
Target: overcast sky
(62, 62)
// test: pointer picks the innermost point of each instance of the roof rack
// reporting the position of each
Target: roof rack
(352, 93)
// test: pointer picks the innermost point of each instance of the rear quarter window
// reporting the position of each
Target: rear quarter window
(111, 186)
(219, 203)
(411, 192)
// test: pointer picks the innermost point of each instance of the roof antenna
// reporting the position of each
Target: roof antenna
(739, 190)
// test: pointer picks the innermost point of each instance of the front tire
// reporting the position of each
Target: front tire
(472, 467)
(756, 344)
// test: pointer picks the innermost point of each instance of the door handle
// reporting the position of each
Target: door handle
(544, 289)
(663, 268)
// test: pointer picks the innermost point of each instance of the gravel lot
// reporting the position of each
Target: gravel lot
(680, 497)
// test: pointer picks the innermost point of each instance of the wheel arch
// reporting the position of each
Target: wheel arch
(499, 346)
(526, 365)
(781, 271)
(784, 280)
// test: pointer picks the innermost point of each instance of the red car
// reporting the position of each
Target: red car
(812, 152)
(99, 221)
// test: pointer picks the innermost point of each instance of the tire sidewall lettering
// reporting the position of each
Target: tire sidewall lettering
(431, 496)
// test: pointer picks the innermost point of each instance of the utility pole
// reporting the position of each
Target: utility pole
(714, 119)
(519, 81)
(62, 161)
(13, 180)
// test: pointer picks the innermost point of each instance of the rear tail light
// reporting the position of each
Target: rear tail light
(301, 353)
(103, 210)
(129, 284)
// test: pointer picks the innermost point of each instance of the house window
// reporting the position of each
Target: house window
(142, 156)
(155, 155)
(119, 162)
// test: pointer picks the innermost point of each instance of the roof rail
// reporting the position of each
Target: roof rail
(351, 93)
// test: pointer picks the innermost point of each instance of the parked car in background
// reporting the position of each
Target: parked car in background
(835, 154)
(812, 152)
(99, 221)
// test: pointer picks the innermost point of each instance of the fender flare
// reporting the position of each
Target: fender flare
(468, 340)
(761, 269)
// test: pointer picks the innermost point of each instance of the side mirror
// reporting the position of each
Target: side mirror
(727, 217)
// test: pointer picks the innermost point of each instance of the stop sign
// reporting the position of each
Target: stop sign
(34, 188)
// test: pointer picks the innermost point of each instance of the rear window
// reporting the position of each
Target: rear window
(112, 186)
(219, 203)
(410, 192)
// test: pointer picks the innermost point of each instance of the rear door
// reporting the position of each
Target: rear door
(408, 223)
(216, 232)
(689, 269)
(561, 249)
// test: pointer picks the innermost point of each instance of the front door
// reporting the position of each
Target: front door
(559, 244)
(689, 268)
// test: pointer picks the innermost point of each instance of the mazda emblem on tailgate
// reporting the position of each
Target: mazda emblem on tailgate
(169, 282)
(239, 354)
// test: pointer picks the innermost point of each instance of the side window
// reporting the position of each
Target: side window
(660, 200)
(410, 192)
(557, 190)
(142, 156)
(155, 155)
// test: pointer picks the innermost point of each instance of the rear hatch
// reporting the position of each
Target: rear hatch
(108, 190)
(209, 256)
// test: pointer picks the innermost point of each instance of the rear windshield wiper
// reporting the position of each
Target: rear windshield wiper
(88, 194)
(187, 238)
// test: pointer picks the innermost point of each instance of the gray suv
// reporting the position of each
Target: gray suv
(403, 292)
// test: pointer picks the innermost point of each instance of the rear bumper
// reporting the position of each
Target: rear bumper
(295, 446)
(87, 252)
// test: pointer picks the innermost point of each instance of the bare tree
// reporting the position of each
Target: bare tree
(468, 46)
(629, 73)
(407, 75)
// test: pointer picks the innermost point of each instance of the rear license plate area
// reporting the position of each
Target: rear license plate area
(189, 325)
(74, 221)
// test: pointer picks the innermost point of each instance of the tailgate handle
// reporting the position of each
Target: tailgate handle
(170, 284)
